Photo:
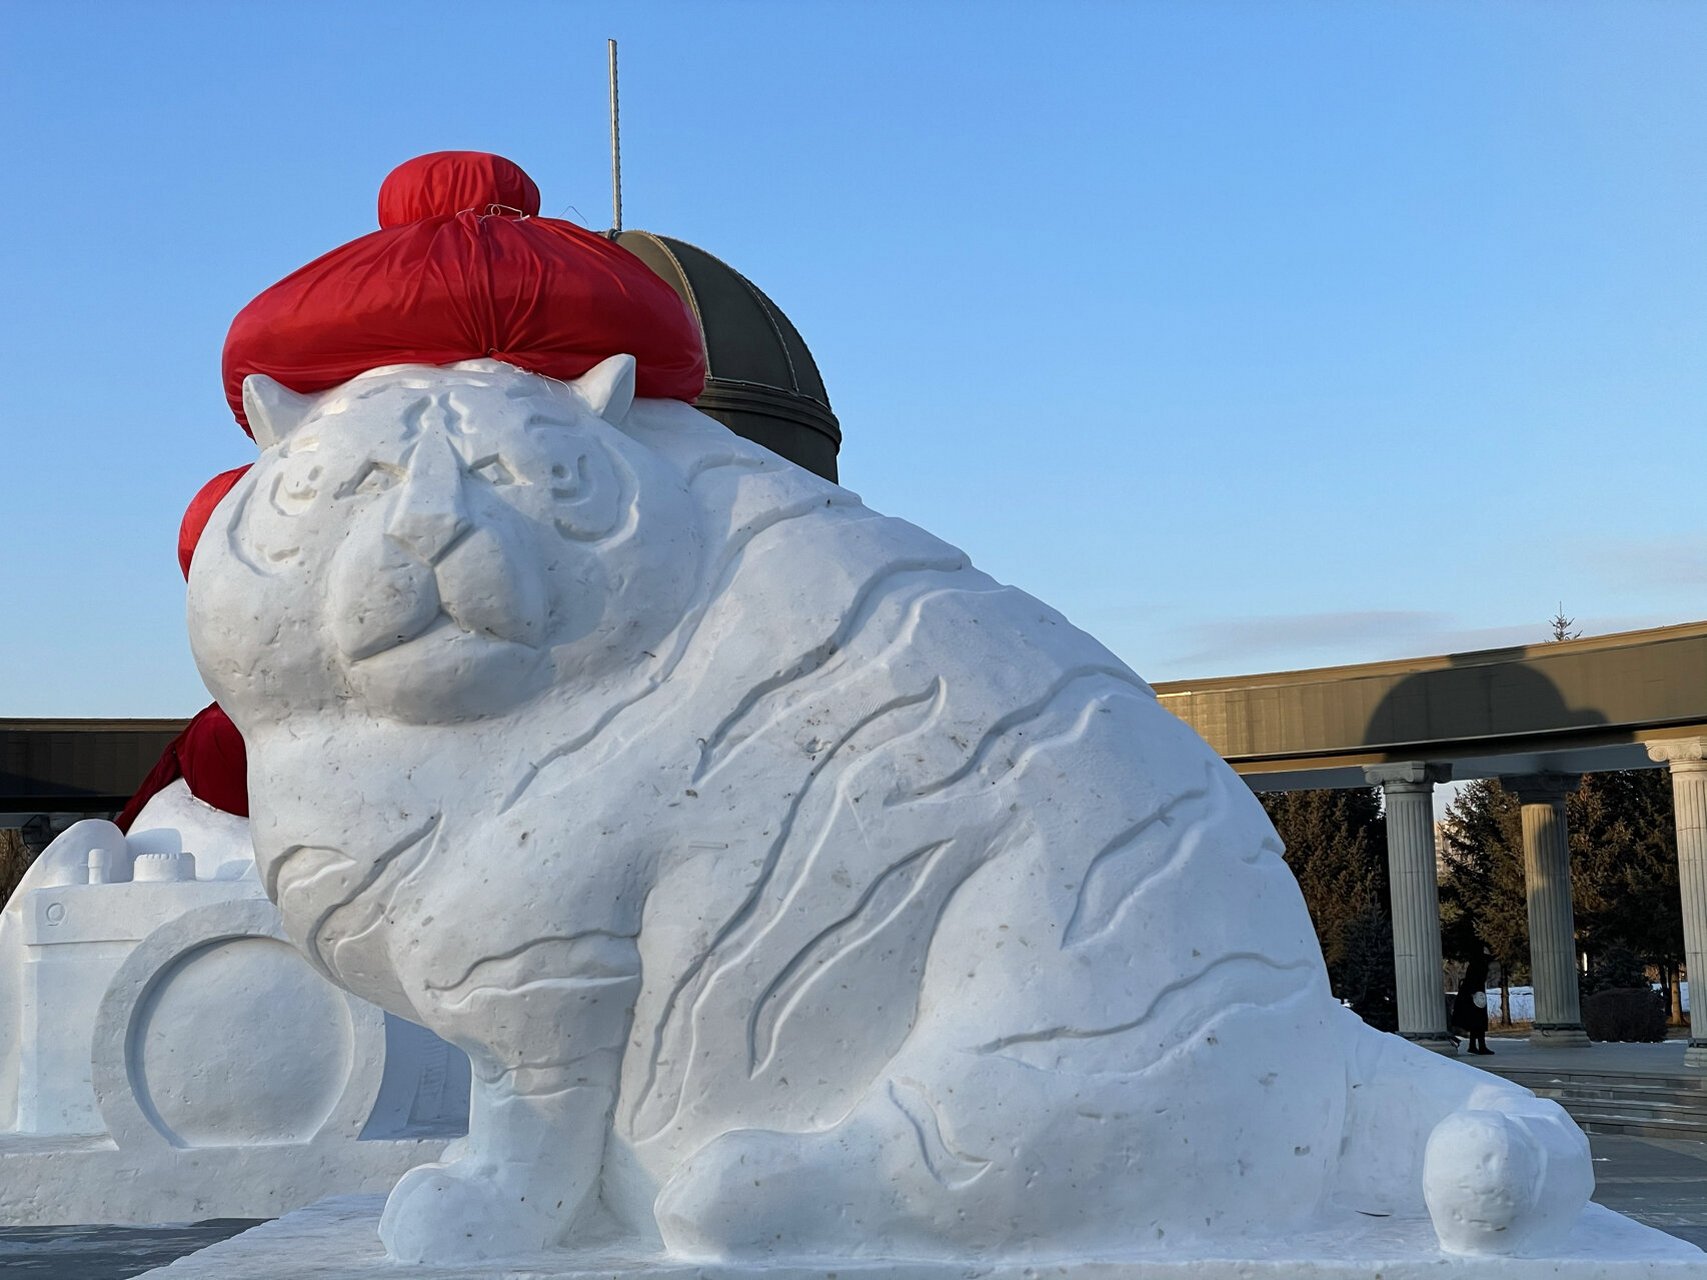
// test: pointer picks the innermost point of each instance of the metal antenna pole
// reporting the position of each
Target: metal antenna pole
(615, 152)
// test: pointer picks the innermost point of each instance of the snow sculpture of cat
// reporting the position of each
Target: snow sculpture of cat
(796, 889)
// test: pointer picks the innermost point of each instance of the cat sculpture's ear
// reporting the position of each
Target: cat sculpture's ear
(608, 388)
(273, 410)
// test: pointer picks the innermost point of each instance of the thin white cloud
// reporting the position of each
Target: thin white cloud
(1233, 639)
(1279, 642)
(1663, 563)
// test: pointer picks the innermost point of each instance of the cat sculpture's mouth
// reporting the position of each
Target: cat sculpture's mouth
(447, 673)
(473, 654)
(442, 632)
(435, 642)
(465, 610)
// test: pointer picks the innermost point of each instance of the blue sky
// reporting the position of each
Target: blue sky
(1251, 336)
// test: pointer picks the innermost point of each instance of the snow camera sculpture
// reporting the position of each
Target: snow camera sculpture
(797, 890)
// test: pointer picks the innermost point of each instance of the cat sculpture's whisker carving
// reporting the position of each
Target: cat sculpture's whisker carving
(795, 889)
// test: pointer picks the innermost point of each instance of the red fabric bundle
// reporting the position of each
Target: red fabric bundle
(464, 268)
(209, 754)
(200, 510)
(210, 757)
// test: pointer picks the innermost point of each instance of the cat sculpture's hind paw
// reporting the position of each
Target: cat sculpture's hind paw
(1496, 1181)
(461, 1212)
(758, 1193)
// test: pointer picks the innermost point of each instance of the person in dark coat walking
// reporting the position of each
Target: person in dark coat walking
(1470, 1009)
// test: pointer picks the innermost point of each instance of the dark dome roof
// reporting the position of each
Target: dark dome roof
(761, 382)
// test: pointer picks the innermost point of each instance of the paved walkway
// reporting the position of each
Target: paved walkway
(1659, 1181)
(105, 1253)
(1665, 1058)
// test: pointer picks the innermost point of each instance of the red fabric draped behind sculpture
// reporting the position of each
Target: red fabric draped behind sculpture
(210, 757)
(209, 754)
(200, 511)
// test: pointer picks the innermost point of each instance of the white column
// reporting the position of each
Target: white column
(1552, 922)
(1408, 794)
(1688, 760)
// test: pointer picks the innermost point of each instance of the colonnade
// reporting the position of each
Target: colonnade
(1687, 760)
(1408, 792)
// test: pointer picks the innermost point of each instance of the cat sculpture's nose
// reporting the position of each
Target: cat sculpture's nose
(430, 517)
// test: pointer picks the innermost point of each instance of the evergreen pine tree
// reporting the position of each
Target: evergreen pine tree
(1482, 887)
(1336, 845)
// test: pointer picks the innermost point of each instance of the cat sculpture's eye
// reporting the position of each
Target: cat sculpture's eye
(294, 491)
(375, 477)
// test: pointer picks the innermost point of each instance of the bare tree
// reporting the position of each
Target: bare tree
(1562, 625)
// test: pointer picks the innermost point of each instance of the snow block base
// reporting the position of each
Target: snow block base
(338, 1239)
(50, 1182)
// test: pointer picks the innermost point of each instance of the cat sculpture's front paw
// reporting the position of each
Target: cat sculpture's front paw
(463, 1212)
(1499, 1181)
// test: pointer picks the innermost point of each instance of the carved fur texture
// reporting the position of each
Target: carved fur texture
(796, 888)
